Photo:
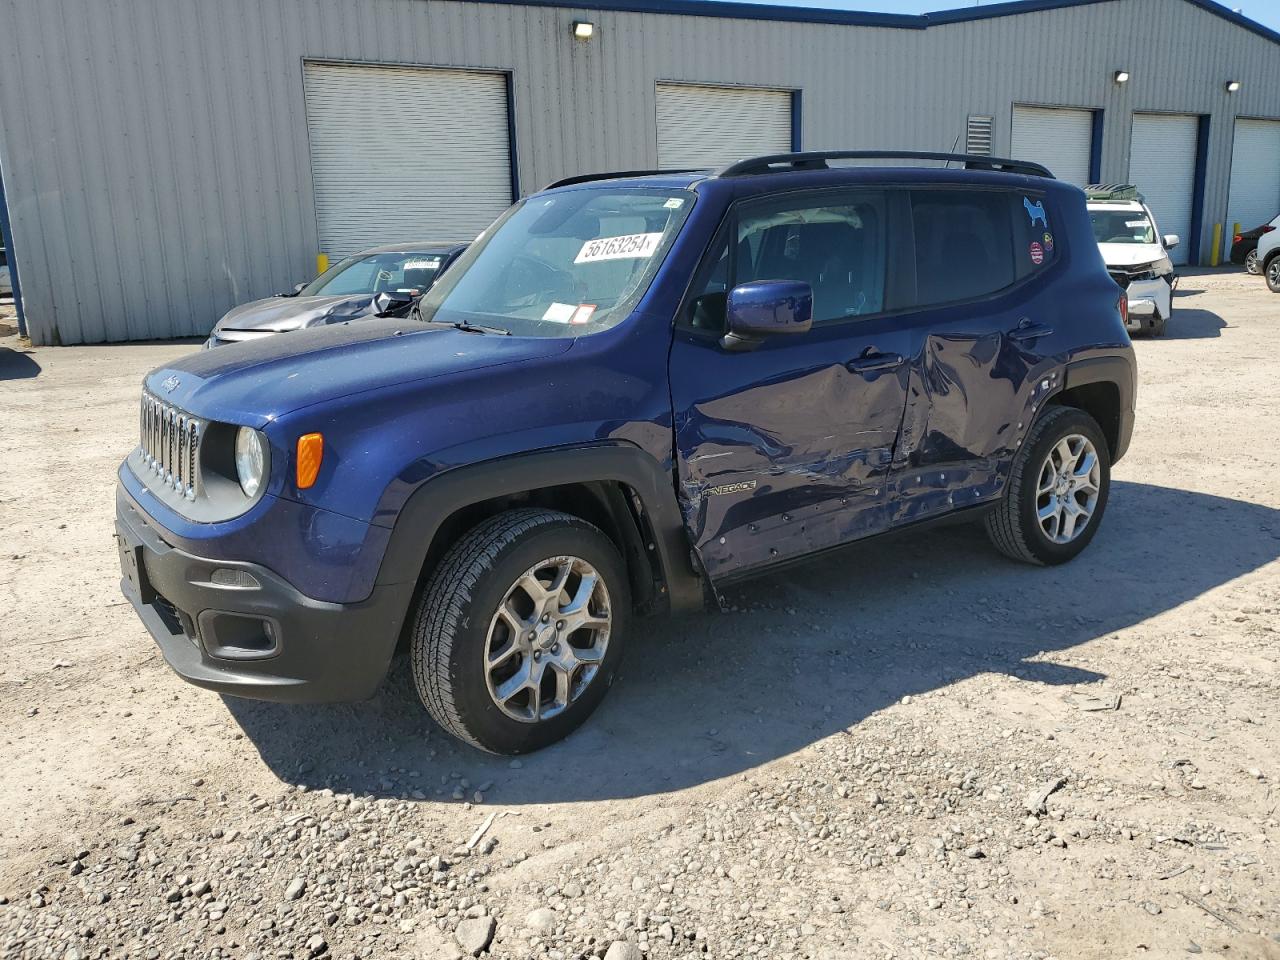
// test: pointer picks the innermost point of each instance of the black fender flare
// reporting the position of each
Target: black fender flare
(1117, 370)
(438, 498)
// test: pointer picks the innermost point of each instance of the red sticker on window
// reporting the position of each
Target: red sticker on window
(1037, 253)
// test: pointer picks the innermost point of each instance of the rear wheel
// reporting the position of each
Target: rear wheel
(1056, 492)
(1251, 264)
(1273, 274)
(520, 630)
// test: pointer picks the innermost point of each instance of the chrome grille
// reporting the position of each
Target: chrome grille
(170, 444)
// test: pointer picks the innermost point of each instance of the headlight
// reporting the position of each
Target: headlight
(251, 460)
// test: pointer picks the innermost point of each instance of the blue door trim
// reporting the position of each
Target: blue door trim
(1095, 147)
(6, 233)
(511, 136)
(797, 123)
(1197, 189)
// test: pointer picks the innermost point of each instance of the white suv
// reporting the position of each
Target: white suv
(1269, 256)
(1137, 257)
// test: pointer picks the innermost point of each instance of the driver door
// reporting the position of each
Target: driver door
(785, 450)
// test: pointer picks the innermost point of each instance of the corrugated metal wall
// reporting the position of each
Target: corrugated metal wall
(155, 151)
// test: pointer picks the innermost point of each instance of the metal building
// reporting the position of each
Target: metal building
(164, 160)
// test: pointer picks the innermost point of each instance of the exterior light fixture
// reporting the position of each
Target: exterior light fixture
(583, 29)
(1122, 76)
(1233, 86)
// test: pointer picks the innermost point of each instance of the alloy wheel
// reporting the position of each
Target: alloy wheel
(1067, 489)
(1273, 273)
(1251, 262)
(548, 638)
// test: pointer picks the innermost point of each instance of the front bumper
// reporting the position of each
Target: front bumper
(247, 631)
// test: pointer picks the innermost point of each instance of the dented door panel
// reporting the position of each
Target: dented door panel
(784, 450)
(973, 393)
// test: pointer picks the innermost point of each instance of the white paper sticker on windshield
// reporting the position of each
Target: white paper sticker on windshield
(559, 312)
(631, 246)
(422, 264)
(1135, 223)
(675, 203)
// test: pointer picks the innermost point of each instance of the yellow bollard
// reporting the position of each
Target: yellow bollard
(322, 263)
(1235, 231)
(1217, 245)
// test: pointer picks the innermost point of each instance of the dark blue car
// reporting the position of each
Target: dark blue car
(630, 391)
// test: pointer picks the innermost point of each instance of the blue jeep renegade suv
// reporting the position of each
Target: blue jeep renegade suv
(631, 390)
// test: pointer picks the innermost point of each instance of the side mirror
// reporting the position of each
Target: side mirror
(766, 308)
(391, 303)
(1171, 240)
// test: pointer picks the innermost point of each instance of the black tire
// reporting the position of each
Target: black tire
(1273, 274)
(1251, 264)
(452, 622)
(1012, 525)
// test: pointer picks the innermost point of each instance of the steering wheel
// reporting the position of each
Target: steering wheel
(533, 282)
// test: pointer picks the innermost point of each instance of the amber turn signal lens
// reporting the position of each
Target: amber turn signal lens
(310, 453)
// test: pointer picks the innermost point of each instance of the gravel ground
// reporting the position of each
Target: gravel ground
(914, 749)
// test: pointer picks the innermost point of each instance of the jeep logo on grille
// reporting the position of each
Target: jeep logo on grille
(170, 383)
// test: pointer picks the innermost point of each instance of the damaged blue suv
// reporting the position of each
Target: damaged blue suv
(630, 391)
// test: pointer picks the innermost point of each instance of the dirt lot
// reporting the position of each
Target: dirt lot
(840, 767)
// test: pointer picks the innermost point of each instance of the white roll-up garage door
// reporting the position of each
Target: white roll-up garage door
(702, 126)
(1057, 137)
(405, 153)
(1162, 165)
(1255, 174)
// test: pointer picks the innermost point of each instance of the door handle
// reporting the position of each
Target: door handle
(871, 360)
(1026, 330)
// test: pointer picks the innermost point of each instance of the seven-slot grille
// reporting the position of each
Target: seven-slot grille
(171, 444)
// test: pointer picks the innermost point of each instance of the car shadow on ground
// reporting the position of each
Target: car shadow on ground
(17, 364)
(1191, 324)
(818, 649)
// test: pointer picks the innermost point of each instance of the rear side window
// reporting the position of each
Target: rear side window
(972, 243)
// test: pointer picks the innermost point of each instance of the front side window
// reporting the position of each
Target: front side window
(836, 245)
(1122, 226)
(377, 273)
(562, 265)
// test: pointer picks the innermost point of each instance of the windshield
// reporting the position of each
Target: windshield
(377, 273)
(1122, 226)
(562, 265)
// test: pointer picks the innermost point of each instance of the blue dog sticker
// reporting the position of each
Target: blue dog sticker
(1036, 212)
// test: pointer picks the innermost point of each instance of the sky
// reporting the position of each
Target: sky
(1266, 12)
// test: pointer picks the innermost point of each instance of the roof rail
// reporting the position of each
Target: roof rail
(818, 161)
(616, 174)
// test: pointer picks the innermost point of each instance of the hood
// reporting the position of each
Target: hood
(1131, 254)
(254, 382)
(278, 314)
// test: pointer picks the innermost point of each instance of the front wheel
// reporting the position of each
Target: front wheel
(520, 630)
(1273, 274)
(1056, 492)
(1251, 264)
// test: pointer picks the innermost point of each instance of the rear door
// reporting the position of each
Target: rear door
(786, 449)
(990, 326)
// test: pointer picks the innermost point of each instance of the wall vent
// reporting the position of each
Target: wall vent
(977, 135)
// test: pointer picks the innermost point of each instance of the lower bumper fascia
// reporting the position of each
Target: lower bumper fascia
(240, 629)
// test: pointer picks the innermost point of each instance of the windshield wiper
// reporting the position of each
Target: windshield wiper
(478, 328)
